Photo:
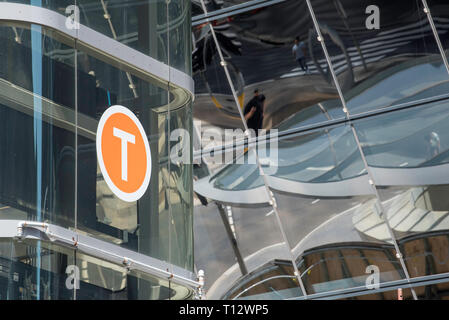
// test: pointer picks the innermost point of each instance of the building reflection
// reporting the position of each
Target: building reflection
(343, 265)
(394, 83)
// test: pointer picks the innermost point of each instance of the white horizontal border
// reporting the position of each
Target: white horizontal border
(102, 43)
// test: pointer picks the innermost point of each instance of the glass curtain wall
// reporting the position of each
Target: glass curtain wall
(353, 99)
(54, 89)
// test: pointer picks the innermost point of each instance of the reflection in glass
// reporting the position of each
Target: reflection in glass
(258, 48)
(143, 225)
(314, 157)
(411, 138)
(35, 271)
(419, 217)
(37, 141)
(379, 67)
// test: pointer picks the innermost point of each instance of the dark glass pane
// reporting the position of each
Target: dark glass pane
(37, 131)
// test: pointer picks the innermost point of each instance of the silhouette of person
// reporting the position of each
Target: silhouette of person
(434, 144)
(253, 112)
(299, 52)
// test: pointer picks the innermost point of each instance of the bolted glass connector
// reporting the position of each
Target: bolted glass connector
(223, 63)
(273, 202)
(107, 16)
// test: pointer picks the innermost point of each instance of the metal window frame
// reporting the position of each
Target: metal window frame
(383, 287)
(101, 46)
(233, 10)
(21, 230)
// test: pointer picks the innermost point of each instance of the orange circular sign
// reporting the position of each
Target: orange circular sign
(123, 153)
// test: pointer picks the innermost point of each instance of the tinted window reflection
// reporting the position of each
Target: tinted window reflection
(262, 54)
(419, 217)
(384, 53)
(415, 137)
(37, 140)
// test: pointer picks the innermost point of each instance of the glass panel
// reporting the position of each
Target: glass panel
(271, 282)
(384, 53)
(180, 187)
(100, 280)
(430, 292)
(142, 25)
(440, 16)
(329, 212)
(143, 225)
(316, 156)
(239, 176)
(215, 249)
(419, 217)
(180, 35)
(34, 271)
(261, 54)
(252, 228)
(37, 140)
(408, 157)
(56, 5)
(411, 138)
(260, 243)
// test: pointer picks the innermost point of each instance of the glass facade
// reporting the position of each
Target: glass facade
(344, 194)
(63, 64)
(298, 149)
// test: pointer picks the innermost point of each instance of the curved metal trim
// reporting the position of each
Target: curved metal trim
(351, 187)
(357, 186)
(251, 197)
(32, 230)
(411, 176)
(88, 38)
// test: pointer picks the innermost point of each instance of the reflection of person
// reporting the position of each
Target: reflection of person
(254, 112)
(434, 144)
(299, 52)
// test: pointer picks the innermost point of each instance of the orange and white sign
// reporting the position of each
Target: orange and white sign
(123, 153)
